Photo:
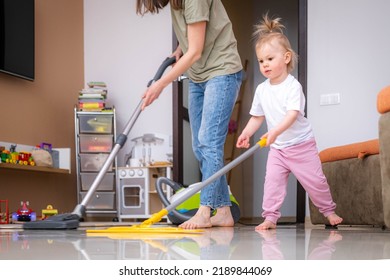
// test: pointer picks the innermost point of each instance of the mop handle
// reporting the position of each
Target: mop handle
(194, 188)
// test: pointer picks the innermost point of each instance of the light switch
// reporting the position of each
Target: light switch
(329, 99)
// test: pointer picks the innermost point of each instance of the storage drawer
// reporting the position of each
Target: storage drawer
(96, 123)
(93, 162)
(90, 143)
(107, 183)
(101, 200)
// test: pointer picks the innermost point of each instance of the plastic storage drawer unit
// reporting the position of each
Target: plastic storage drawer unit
(95, 132)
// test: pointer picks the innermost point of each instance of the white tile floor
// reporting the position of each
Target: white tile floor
(288, 242)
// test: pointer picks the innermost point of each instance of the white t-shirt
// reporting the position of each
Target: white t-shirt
(273, 102)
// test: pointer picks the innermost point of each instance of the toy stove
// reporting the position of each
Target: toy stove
(137, 195)
(133, 193)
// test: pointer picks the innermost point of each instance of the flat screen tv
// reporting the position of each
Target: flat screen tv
(17, 38)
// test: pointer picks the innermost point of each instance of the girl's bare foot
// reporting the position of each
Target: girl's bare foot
(266, 225)
(223, 218)
(334, 219)
(200, 220)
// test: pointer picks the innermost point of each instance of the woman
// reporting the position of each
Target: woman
(207, 51)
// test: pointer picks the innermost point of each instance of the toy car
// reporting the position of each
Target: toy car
(24, 213)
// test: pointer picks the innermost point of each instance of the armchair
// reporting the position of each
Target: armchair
(359, 176)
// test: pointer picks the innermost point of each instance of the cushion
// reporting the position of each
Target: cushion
(355, 150)
(383, 100)
(42, 158)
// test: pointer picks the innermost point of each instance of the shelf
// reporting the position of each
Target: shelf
(64, 160)
(33, 168)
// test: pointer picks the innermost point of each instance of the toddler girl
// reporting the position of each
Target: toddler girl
(280, 101)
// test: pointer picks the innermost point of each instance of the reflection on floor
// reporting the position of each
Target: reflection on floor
(288, 242)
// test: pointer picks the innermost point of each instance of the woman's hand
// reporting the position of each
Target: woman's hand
(178, 53)
(151, 94)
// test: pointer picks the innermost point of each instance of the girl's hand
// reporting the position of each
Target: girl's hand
(270, 136)
(243, 141)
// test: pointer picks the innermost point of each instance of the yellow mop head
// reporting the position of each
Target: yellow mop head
(145, 228)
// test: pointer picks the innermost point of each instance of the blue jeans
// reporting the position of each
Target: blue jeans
(210, 107)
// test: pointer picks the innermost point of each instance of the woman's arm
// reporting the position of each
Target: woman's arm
(196, 39)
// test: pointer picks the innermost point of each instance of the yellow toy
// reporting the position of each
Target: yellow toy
(49, 211)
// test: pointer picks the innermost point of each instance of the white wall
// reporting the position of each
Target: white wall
(348, 53)
(125, 50)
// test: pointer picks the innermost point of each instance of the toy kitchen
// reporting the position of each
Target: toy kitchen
(149, 158)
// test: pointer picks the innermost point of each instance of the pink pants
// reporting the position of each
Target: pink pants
(303, 161)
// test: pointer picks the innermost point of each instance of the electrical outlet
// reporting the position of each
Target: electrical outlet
(329, 99)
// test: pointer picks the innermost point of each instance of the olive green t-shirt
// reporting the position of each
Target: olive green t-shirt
(220, 55)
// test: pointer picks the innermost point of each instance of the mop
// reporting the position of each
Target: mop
(179, 198)
(71, 220)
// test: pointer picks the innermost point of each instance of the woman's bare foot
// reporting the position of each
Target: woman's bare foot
(334, 219)
(223, 218)
(200, 220)
(266, 225)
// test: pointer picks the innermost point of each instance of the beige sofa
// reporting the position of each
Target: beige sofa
(359, 176)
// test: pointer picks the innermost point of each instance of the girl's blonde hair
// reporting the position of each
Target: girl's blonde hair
(154, 6)
(269, 30)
